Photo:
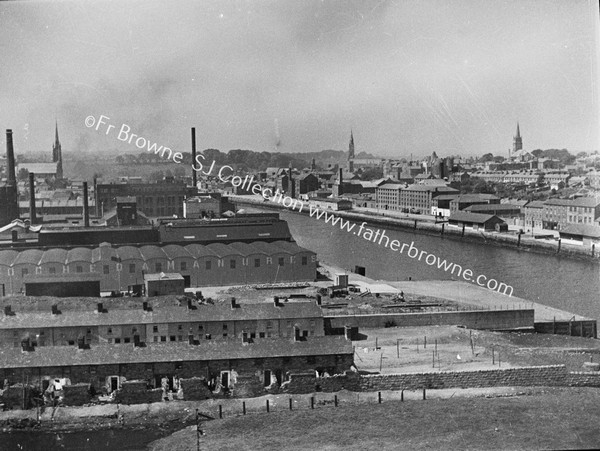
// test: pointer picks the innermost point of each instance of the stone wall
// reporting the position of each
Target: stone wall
(76, 395)
(195, 389)
(555, 375)
(136, 392)
(474, 319)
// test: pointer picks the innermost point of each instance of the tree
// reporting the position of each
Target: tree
(540, 179)
(486, 157)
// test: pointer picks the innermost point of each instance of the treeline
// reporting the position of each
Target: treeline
(248, 160)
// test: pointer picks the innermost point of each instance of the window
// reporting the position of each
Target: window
(180, 337)
(133, 330)
(224, 326)
(52, 270)
(180, 327)
(257, 262)
(131, 268)
(117, 341)
(200, 328)
(225, 335)
(158, 267)
(127, 340)
(207, 336)
(71, 342)
(208, 265)
(232, 264)
(155, 339)
(24, 272)
(155, 329)
(109, 331)
(304, 261)
(163, 338)
(106, 269)
(269, 324)
(281, 259)
(183, 266)
(173, 338)
(261, 335)
(79, 268)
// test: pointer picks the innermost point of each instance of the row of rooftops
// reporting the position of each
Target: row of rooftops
(106, 252)
(57, 356)
(202, 313)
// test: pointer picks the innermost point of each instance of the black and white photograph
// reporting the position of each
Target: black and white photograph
(299, 225)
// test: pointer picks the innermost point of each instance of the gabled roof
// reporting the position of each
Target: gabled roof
(475, 218)
(52, 356)
(585, 230)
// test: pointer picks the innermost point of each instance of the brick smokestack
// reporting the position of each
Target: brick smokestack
(32, 214)
(10, 156)
(194, 175)
(292, 184)
(86, 208)
(341, 188)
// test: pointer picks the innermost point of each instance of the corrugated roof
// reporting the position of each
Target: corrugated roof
(79, 254)
(129, 253)
(585, 230)
(199, 251)
(223, 250)
(476, 218)
(151, 252)
(7, 257)
(173, 251)
(29, 256)
(55, 255)
(52, 356)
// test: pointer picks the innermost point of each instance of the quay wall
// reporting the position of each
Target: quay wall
(526, 244)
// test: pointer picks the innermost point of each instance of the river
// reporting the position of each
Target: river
(564, 283)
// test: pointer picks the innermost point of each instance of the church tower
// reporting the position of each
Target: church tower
(351, 153)
(57, 155)
(517, 141)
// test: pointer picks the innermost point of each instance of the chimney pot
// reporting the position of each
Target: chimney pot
(100, 307)
(319, 299)
(233, 303)
(276, 301)
(55, 309)
(8, 310)
(191, 339)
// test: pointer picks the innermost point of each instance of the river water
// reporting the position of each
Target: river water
(564, 283)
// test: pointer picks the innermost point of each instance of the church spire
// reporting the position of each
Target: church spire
(517, 141)
(57, 154)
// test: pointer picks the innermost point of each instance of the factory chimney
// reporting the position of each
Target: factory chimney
(32, 214)
(86, 208)
(10, 156)
(341, 187)
(194, 175)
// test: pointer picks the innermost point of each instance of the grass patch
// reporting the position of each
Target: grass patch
(555, 419)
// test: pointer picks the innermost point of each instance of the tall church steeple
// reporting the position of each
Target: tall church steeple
(57, 154)
(517, 141)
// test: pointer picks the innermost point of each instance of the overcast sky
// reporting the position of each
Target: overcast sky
(406, 76)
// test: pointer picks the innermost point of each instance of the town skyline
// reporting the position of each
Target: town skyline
(406, 78)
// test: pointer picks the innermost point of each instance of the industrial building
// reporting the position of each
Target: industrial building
(121, 267)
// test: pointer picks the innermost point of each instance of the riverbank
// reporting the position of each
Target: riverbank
(521, 243)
